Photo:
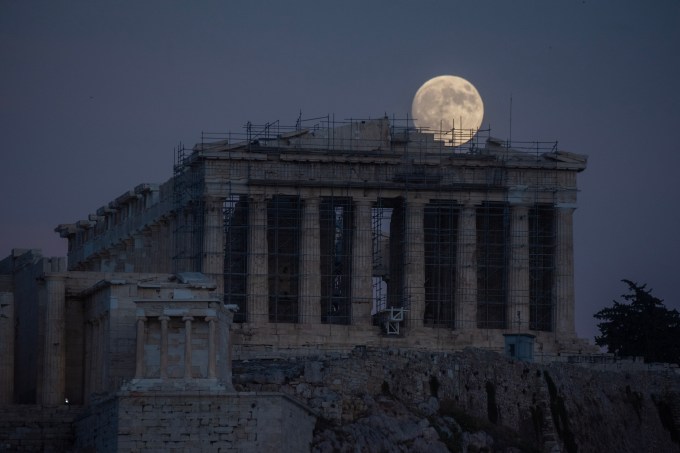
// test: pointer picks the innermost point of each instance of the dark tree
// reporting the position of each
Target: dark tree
(643, 327)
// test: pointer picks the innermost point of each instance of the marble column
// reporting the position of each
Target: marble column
(466, 269)
(213, 241)
(141, 340)
(257, 310)
(563, 286)
(140, 261)
(96, 358)
(163, 359)
(414, 265)
(310, 263)
(101, 353)
(6, 348)
(212, 347)
(151, 248)
(517, 315)
(54, 364)
(87, 362)
(362, 263)
(187, 346)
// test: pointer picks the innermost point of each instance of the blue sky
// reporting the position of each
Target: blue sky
(94, 96)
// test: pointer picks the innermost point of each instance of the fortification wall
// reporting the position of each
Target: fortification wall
(202, 421)
(430, 401)
(33, 428)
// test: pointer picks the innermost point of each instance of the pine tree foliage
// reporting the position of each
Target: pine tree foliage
(641, 326)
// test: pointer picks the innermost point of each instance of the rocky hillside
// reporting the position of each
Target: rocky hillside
(472, 401)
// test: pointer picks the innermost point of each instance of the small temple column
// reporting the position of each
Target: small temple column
(518, 274)
(310, 262)
(414, 264)
(213, 241)
(54, 364)
(141, 340)
(466, 269)
(362, 263)
(257, 306)
(163, 359)
(212, 347)
(187, 346)
(563, 286)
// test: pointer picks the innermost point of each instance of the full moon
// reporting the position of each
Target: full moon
(450, 107)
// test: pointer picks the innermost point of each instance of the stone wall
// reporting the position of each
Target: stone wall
(405, 400)
(35, 428)
(200, 421)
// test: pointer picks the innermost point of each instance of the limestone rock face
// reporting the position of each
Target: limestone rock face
(473, 401)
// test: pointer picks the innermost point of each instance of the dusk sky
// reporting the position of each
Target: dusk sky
(94, 95)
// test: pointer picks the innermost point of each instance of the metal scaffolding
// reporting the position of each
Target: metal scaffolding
(288, 240)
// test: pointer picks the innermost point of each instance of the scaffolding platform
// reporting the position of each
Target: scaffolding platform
(391, 319)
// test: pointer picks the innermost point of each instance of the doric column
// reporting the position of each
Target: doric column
(6, 348)
(362, 263)
(466, 269)
(151, 248)
(187, 346)
(140, 261)
(518, 273)
(310, 262)
(213, 241)
(257, 298)
(141, 340)
(414, 265)
(564, 270)
(96, 358)
(54, 368)
(87, 362)
(164, 244)
(101, 353)
(163, 359)
(212, 348)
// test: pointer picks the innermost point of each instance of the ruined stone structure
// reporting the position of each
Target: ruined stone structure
(107, 361)
(286, 243)
(328, 237)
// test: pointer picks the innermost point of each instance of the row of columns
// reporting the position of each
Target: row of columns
(140, 364)
(414, 264)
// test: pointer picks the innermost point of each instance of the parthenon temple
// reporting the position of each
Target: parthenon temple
(320, 237)
(336, 235)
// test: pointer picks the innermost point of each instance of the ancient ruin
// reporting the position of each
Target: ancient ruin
(285, 242)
